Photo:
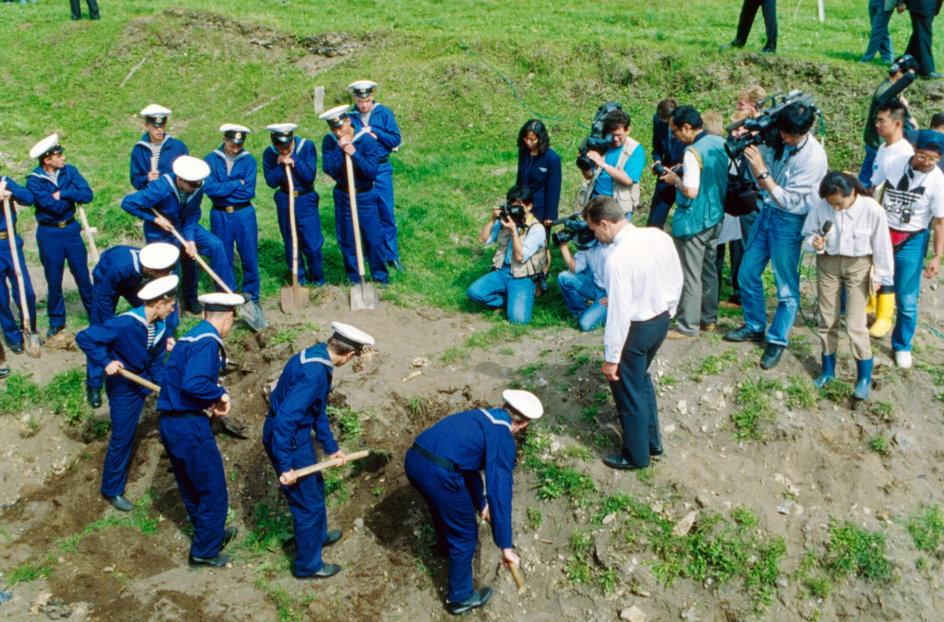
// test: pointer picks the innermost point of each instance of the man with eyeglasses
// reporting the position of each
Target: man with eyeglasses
(618, 171)
(913, 198)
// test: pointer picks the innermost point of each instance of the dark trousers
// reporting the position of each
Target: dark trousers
(125, 401)
(77, 9)
(240, 229)
(56, 246)
(634, 394)
(749, 11)
(919, 45)
(735, 250)
(662, 200)
(10, 289)
(371, 234)
(308, 232)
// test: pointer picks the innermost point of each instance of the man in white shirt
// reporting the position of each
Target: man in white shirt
(644, 284)
(890, 125)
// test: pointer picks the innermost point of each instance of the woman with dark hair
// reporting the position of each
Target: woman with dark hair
(849, 232)
(539, 168)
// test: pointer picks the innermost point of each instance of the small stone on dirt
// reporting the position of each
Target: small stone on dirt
(633, 614)
(685, 525)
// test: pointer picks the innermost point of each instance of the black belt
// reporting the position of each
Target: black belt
(235, 207)
(446, 465)
(181, 414)
(358, 189)
(57, 225)
(384, 159)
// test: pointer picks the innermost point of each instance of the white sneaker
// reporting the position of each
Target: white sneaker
(903, 359)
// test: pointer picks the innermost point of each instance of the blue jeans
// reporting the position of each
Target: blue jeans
(498, 287)
(879, 40)
(865, 173)
(577, 289)
(909, 260)
(775, 238)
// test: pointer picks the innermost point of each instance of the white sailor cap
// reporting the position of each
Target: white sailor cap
(362, 88)
(159, 255)
(164, 287)
(350, 335)
(336, 116)
(525, 403)
(281, 132)
(235, 133)
(156, 114)
(190, 168)
(43, 148)
(221, 301)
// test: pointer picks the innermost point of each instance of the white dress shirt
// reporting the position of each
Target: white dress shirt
(643, 280)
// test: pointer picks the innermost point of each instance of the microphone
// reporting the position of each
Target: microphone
(826, 227)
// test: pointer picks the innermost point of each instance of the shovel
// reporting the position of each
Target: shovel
(88, 234)
(250, 311)
(327, 464)
(30, 339)
(363, 295)
(293, 298)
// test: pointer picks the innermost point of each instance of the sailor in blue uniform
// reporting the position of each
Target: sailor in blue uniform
(137, 342)
(231, 186)
(365, 153)
(190, 386)
(11, 327)
(443, 465)
(297, 405)
(300, 154)
(56, 188)
(177, 196)
(378, 121)
(121, 271)
(154, 154)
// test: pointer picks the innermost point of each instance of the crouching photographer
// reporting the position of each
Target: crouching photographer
(584, 280)
(519, 257)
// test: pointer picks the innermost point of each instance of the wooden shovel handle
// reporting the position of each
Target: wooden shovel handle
(17, 269)
(199, 259)
(133, 377)
(326, 464)
(516, 575)
(293, 226)
(88, 233)
(352, 193)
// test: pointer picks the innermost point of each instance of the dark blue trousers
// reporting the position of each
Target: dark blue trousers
(198, 469)
(307, 503)
(125, 401)
(209, 246)
(240, 228)
(310, 237)
(662, 201)
(11, 326)
(371, 234)
(56, 246)
(453, 511)
(634, 394)
(383, 185)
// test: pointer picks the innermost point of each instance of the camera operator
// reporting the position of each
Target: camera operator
(890, 126)
(913, 197)
(584, 280)
(901, 74)
(697, 221)
(788, 174)
(520, 257)
(617, 173)
(667, 150)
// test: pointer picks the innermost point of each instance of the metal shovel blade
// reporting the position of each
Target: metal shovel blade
(294, 298)
(363, 296)
(32, 343)
(251, 313)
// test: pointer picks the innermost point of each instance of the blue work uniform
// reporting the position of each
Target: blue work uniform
(183, 211)
(190, 385)
(124, 338)
(296, 406)
(117, 275)
(381, 121)
(231, 188)
(307, 220)
(366, 160)
(171, 149)
(11, 328)
(444, 464)
(59, 236)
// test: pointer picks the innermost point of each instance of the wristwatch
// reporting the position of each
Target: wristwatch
(763, 176)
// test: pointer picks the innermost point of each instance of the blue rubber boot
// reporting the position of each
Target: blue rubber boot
(829, 370)
(864, 379)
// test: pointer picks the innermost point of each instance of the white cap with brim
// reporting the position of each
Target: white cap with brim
(159, 255)
(281, 128)
(45, 146)
(155, 110)
(362, 88)
(164, 287)
(190, 168)
(336, 116)
(221, 301)
(235, 133)
(524, 402)
(350, 335)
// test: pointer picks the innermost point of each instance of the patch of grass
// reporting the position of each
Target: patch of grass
(271, 527)
(879, 444)
(417, 406)
(141, 518)
(30, 571)
(716, 363)
(578, 452)
(290, 605)
(337, 491)
(936, 372)
(453, 354)
(668, 381)
(753, 396)
(498, 333)
(578, 568)
(507, 351)
(851, 551)
(535, 518)
(349, 422)
(555, 482)
(884, 410)
(531, 369)
(18, 393)
(927, 529)
(801, 393)
(837, 391)
(287, 334)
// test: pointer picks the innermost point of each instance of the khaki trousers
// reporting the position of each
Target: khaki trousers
(833, 272)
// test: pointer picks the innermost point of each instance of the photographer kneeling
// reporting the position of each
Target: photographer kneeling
(584, 280)
(517, 259)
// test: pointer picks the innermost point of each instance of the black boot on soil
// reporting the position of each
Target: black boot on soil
(94, 396)
(54, 330)
(328, 570)
(219, 561)
(332, 538)
(120, 503)
(4, 371)
(478, 599)
(618, 461)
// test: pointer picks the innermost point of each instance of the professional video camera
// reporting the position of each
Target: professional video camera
(513, 212)
(597, 140)
(575, 228)
(763, 130)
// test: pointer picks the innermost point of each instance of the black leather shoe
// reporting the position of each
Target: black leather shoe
(54, 330)
(658, 451)
(219, 561)
(16, 348)
(744, 334)
(328, 570)
(478, 599)
(771, 356)
(228, 537)
(194, 307)
(396, 265)
(120, 503)
(4, 371)
(333, 536)
(617, 461)
(768, 51)
(94, 396)
(934, 75)
(733, 45)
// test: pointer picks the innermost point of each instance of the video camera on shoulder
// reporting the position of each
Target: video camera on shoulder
(598, 140)
(575, 228)
(763, 130)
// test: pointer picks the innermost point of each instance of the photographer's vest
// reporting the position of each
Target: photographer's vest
(534, 265)
(628, 196)
(692, 216)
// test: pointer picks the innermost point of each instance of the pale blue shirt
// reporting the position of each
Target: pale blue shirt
(533, 240)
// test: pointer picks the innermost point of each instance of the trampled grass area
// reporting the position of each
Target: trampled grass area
(462, 77)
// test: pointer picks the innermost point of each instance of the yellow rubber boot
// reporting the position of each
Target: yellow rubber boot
(870, 307)
(884, 310)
